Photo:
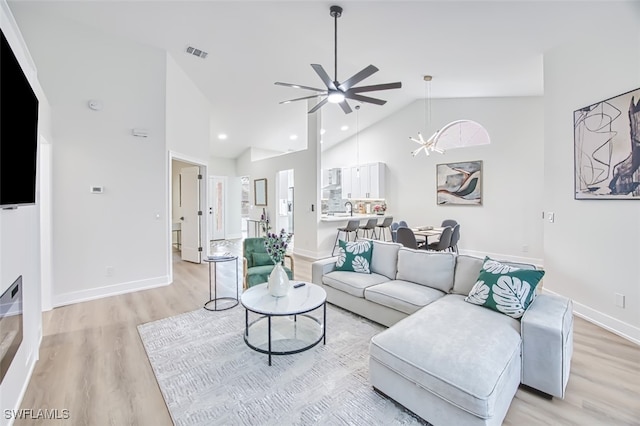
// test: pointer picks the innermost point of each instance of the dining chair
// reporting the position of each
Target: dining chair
(455, 237)
(407, 238)
(403, 223)
(449, 222)
(394, 233)
(444, 242)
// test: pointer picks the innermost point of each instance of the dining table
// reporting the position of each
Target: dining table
(427, 231)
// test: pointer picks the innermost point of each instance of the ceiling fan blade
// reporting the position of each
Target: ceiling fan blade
(375, 87)
(300, 99)
(318, 105)
(357, 78)
(298, 86)
(345, 107)
(361, 98)
(323, 76)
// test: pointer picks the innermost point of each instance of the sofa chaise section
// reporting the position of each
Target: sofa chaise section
(463, 358)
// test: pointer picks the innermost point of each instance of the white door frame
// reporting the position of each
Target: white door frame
(46, 269)
(282, 193)
(172, 155)
(211, 207)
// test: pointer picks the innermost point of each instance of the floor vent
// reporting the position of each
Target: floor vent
(197, 52)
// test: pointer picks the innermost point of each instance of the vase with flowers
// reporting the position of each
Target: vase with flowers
(379, 209)
(276, 245)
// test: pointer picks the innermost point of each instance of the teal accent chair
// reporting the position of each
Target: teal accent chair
(257, 264)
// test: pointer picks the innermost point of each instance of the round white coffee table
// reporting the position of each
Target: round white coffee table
(286, 324)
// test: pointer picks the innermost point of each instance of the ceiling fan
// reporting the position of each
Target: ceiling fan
(336, 92)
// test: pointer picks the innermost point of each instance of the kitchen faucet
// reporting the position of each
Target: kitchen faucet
(350, 207)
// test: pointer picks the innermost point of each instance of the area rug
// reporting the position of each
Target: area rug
(209, 376)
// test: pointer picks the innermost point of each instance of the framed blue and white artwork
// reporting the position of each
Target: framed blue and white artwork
(459, 183)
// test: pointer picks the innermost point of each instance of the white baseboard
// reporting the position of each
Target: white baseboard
(107, 291)
(31, 362)
(621, 328)
(312, 255)
(506, 257)
(233, 236)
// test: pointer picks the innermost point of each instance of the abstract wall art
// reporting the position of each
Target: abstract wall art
(459, 183)
(607, 149)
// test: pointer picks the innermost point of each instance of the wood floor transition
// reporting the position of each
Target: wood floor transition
(92, 362)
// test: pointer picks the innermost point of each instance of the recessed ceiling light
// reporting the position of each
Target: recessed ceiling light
(293, 137)
(322, 131)
(222, 136)
(345, 127)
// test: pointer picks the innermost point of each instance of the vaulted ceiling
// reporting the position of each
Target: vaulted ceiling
(472, 49)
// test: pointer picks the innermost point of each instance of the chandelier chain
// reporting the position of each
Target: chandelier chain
(358, 138)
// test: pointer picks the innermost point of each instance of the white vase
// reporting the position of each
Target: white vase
(278, 281)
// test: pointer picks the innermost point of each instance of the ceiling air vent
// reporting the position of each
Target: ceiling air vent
(197, 52)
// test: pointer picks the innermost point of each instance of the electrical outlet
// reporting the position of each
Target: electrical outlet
(108, 271)
(619, 300)
(551, 216)
(525, 248)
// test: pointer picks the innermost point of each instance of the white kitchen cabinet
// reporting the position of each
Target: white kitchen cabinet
(347, 182)
(367, 183)
(376, 180)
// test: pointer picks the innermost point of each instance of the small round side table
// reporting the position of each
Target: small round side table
(213, 289)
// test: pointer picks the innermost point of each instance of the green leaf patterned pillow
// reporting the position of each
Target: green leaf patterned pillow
(355, 256)
(505, 288)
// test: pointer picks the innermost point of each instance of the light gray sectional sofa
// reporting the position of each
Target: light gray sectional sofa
(445, 359)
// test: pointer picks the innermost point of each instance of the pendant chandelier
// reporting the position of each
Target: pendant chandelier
(429, 144)
(456, 134)
(358, 141)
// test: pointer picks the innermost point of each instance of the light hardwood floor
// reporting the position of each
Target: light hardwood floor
(92, 363)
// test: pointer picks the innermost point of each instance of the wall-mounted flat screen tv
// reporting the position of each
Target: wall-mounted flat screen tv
(18, 132)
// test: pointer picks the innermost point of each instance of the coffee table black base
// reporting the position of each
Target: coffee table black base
(270, 350)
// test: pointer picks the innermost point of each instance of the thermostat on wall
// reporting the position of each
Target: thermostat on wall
(97, 189)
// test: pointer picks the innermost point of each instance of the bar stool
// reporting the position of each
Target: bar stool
(386, 224)
(368, 228)
(352, 226)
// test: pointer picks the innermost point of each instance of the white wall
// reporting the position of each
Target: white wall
(219, 166)
(306, 169)
(592, 249)
(188, 115)
(509, 218)
(94, 232)
(20, 243)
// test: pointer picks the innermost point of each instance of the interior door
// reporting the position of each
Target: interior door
(190, 179)
(216, 208)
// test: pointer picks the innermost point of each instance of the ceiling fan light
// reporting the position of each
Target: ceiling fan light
(335, 97)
